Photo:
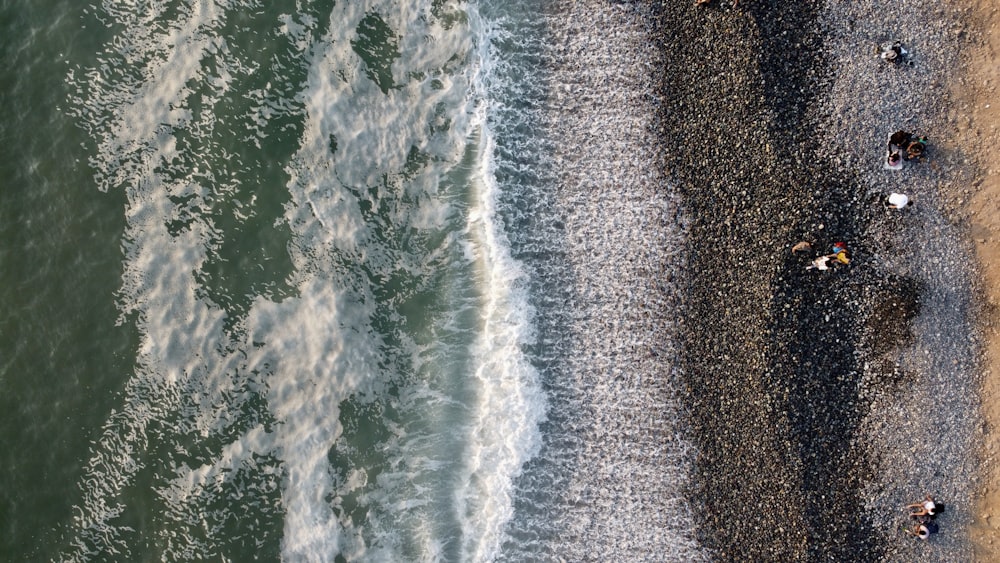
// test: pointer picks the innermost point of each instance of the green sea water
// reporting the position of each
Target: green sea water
(284, 281)
(64, 357)
(249, 278)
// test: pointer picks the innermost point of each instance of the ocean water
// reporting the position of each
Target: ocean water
(335, 281)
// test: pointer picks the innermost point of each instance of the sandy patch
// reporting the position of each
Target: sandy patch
(979, 127)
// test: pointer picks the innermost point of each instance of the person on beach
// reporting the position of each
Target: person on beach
(826, 261)
(923, 530)
(894, 160)
(898, 201)
(906, 145)
(802, 246)
(900, 140)
(926, 507)
(820, 263)
(840, 253)
(893, 53)
(895, 145)
(910, 145)
(915, 149)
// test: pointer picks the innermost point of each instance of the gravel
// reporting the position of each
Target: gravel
(821, 402)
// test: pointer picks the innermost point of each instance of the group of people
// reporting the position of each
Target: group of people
(923, 514)
(903, 145)
(825, 261)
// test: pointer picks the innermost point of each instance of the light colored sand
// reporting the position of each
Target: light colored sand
(982, 131)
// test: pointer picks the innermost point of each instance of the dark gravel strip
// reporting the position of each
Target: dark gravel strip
(771, 351)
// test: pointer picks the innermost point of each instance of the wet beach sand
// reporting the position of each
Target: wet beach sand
(823, 402)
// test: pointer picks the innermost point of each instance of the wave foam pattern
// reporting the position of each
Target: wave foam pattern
(331, 323)
(602, 241)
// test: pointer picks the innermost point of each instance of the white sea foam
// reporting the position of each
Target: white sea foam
(610, 479)
(308, 352)
(499, 441)
(468, 409)
(510, 405)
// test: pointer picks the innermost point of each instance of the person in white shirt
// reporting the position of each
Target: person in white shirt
(898, 201)
(926, 507)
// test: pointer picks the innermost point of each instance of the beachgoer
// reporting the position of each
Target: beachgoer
(898, 201)
(893, 53)
(820, 263)
(893, 159)
(900, 139)
(840, 253)
(926, 507)
(801, 247)
(923, 530)
(915, 149)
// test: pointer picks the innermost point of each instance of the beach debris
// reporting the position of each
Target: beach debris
(801, 247)
(898, 201)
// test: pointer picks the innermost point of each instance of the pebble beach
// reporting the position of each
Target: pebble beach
(815, 404)
(822, 402)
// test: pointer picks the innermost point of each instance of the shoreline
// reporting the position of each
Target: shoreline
(981, 128)
(613, 466)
